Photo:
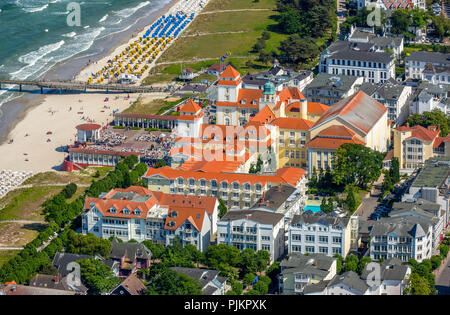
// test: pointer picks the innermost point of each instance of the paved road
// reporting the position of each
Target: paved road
(369, 204)
(443, 280)
(24, 222)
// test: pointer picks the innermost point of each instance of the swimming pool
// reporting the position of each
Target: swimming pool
(312, 208)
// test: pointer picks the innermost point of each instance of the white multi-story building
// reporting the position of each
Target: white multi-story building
(324, 234)
(255, 229)
(140, 214)
(430, 97)
(428, 66)
(357, 59)
(394, 96)
(401, 237)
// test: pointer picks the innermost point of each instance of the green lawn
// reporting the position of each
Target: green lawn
(25, 203)
(6, 255)
(215, 5)
(156, 107)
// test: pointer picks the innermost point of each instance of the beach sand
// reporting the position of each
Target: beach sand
(38, 118)
(46, 156)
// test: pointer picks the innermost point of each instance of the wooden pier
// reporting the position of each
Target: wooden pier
(81, 86)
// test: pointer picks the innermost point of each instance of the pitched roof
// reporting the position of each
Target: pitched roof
(283, 175)
(312, 108)
(230, 72)
(86, 127)
(350, 279)
(133, 285)
(292, 123)
(337, 131)
(264, 116)
(333, 137)
(290, 93)
(260, 216)
(190, 107)
(419, 132)
(359, 109)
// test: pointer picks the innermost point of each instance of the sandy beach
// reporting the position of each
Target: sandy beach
(31, 149)
(53, 114)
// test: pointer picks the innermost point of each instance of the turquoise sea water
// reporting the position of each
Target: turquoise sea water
(34, 35)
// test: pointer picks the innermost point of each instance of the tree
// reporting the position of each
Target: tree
(401, 21)
(351, 263)
(222, 208)
(97, 276)
(435, 262)
(356, 164)
(443, 250)
(433, 118)
(323, 205)
(394, 171)
(362, 264)
(295, 50)
(350, 201)
(387, 184)
(165, 281)
(248, 279)
(264, 57)
(417, 285)
(259, 46)
(339, 263)
(441, 25)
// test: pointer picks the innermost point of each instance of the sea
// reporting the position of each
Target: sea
(36, 41)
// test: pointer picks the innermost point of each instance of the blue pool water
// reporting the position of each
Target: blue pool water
(312, 208)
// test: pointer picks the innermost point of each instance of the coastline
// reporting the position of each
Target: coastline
(14, 111)
(44, 125)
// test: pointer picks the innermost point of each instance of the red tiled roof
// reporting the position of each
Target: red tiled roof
(331, 143)
(230, 72)
(248, 95)
(86, 127)
(217, 67)
(264, 116)
(389, 156)
(292, 123)
(290, 93)
(360, 110)
(190, 107)
(313, 108)
(288, 175)
(230, 82)
(419, 132)
(337, 131)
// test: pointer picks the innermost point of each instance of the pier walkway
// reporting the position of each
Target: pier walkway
(81, 86)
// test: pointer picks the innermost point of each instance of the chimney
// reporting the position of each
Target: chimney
(304, 108)
(279, 188)
(56, 279)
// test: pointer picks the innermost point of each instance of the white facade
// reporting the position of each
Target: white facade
(247, 233)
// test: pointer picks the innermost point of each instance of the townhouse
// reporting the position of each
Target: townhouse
(432, 67)
(237, 190)
(255, 229)
(357, 59)
(329, 89)
(401, 237)
(394, 96)
(300, 271)
(414, 145)
(130, 257)
(319, 233)
(357, 119)
(140, 214)
(429, 97)
(209, 280)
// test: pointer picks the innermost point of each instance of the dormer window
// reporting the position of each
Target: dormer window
(113, 210)
(137, 212)
(126, 211)
(243, 101)
(171, 224)
(254, 102)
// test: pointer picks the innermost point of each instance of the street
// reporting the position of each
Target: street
(369, 204)
(443, 281)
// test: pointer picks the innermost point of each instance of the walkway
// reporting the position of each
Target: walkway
(236, 10)
(442, 282)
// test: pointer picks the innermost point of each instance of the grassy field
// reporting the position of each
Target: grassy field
(25, 203)
(246, 28)
(155, 107)
(216, 5)
(17, 234)
(83, 177)
(6, 255)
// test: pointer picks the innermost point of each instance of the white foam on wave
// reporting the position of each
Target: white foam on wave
(38, 9)
(130, 11)
(70, 35)
(103, 19)
(32, 57)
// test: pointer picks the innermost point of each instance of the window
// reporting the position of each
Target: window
(265, 247)
(309, 249)
(296, 237)
(337, 239)
(323, 250)
(310, 238)
(323, 239)
(296, 248)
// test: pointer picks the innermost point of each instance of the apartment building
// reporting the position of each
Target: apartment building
(140, 214)
(425, 210)
(357, 59)
(432, 67)
(329, 89)
(381, 43)
(394, 96)
(357, 119)
(402, 238)
(300, 271)
(432, 184)
(255, 229)
(323, 234)
(237, 190)
(414, 145)
(429, 97)
(283, 199)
